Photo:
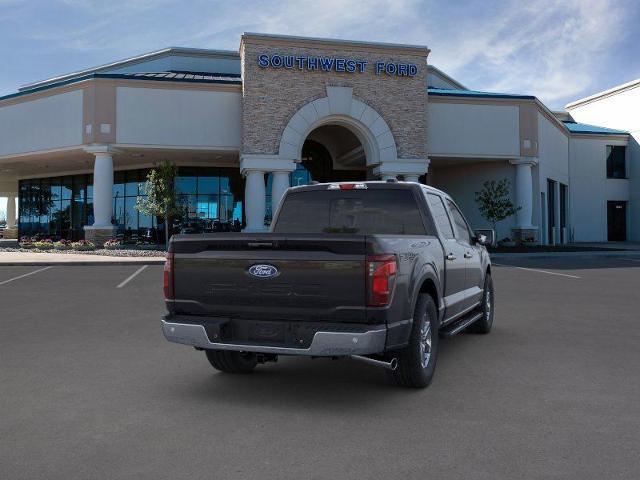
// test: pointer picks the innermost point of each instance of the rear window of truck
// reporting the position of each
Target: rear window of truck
(368, 212)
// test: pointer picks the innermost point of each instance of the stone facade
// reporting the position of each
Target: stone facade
(272, 96)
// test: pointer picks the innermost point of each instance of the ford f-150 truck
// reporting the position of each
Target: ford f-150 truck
(376, 271)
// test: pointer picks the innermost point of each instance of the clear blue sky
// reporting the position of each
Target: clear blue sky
(557, 50)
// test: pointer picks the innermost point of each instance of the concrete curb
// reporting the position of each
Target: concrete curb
(83, 263)
(609, 253)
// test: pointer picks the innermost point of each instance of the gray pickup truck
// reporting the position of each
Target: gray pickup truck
(375, 271)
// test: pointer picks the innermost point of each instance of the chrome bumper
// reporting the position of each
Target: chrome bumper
(324, 344)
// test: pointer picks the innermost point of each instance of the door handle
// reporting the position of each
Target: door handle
(468, 255)
(451, 257)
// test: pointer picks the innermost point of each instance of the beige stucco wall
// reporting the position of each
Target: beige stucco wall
(467, 129)
(178, 117)
(271, 96)
(54, 121)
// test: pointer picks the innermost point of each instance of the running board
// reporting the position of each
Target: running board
(459, 325)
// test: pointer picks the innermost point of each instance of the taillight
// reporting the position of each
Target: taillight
(381, 278)
(169, 292)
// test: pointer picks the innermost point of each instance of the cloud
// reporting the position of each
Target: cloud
(557, 50)
(550, 49)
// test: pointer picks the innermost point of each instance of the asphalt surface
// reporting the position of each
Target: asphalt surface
(90, 389)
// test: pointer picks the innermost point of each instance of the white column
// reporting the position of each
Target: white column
(103, 189)
(11, 212)
(254, 199)
(524, 191)
(409, 169)
(279, 185)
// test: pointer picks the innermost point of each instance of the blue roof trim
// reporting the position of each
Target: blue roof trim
(585, 128)
(444, 92)
(226, 80)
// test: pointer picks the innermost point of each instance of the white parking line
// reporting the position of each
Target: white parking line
(536, 270)
(25, 275)
(131, 277)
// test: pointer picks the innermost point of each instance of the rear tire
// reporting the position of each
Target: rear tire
(417, 362)
(483, 326)
(232, 362)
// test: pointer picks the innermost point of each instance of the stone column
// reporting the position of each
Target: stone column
(524, 197)
(11, 211)
(279, 185)
(411, 178)
(102, 229)
(11, 232)
(254, 200)
(253, 167)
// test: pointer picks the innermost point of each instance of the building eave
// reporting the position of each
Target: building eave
(448, 78)
(605, 93)
(133, 61)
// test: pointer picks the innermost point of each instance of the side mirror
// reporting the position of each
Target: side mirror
(485, 237)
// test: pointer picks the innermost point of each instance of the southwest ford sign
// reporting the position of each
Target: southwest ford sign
(334, 64)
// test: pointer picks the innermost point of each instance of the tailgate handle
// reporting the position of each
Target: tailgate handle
(260, 244)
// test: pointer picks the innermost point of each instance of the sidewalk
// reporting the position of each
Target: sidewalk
(31, 258)
(593, 253)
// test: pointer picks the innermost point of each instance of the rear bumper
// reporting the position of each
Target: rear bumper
(324, 344)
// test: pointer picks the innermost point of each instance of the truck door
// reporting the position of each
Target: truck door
(454, 285)
(473, 284)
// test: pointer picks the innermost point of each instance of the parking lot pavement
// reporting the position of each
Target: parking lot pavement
(90, 388)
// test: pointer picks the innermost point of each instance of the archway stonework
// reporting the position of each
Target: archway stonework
(293, 85)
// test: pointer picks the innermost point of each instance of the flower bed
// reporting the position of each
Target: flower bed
(62, 245)
(83, 245)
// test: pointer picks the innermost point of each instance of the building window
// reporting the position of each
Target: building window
(616, 161)
(59, 207)
(211, 199)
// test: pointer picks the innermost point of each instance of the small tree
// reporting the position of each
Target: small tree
(160, 200)
(494, 202)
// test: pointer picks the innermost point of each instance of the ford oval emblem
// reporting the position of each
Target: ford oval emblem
(263, 271)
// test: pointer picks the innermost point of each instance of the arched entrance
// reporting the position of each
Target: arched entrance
(332, 153)
(334, 138)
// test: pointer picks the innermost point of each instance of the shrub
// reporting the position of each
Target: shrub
(83, 245)
(26, 242)
(43, 244)
(113, 244)
(62, 245)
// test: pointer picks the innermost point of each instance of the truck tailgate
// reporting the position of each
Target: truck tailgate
(271, 276)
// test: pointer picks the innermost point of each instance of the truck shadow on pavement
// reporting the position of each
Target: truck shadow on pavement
(318, 384)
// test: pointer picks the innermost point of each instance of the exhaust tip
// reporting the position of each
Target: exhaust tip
(393, 364)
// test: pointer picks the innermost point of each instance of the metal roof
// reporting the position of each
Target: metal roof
(585, 128)
(475, 93)
(186, 77)
(135, 60)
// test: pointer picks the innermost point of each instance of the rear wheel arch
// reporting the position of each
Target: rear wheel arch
(429, 286)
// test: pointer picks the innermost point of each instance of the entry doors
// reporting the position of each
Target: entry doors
(617, 221)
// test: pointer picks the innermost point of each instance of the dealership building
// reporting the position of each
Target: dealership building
(244, 126)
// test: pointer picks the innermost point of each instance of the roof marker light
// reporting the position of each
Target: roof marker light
(347, 186)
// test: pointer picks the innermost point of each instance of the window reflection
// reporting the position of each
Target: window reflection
(211, 199)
